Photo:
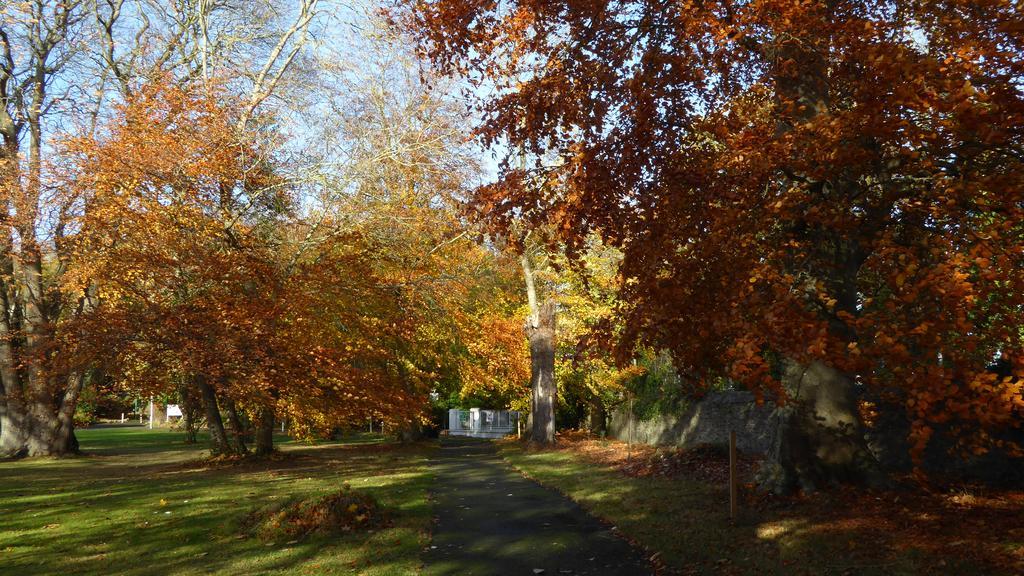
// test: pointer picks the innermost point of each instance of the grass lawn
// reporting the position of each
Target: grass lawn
(142, 502)
(685, 521)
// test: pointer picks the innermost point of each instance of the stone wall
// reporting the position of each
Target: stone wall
(706, 422)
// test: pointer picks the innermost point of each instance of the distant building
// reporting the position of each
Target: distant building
(479, 423)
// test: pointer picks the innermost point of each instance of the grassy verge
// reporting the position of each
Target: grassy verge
(142, 502)
(685, 522)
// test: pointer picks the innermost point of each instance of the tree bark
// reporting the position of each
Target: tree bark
(71, 443)
(37, 415)
(265, 432)
(39, 425)
(819, 439)
(542, 375)
(66, 413)
(13, 429)
(540, 330)
(237, 437)
(597, 417)
(188, 416)
(218, 437)
(410, 432)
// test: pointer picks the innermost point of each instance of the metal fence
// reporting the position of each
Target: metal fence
(481, 423)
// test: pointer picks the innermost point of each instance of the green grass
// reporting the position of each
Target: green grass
(142, 502)
(686, 523)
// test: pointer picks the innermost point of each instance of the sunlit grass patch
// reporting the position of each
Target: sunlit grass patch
(159, 507)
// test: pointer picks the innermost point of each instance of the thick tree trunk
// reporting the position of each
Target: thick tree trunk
(265, 432)
(40, 426)
(39, 411)
(38, 408)
(34, 430)
(540, 330)
(13, 430)
(819, 439)
(11, 427)
(542, 375)
(218, 437)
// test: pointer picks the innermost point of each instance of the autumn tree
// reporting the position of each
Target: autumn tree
(589, 374)
(156, 239)
(181, 230)
(38, 395)
(493, 355)
(62, 65)
(541, 333)
(186, 243)
(811, 197)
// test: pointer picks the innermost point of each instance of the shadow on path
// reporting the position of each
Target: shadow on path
(493, 521)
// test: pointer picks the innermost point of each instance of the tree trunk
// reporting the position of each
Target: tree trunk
(39, 411)
(188, 417)
(66, 414)
(237, 436)
(37, 414)
(410, 432)
(542, 375)
(819, 439)
(218, 438)
(13, 429)
(71, 442)
(265, 432)
(540, 330)
(35, 431)
(39, 426)
(597, 417)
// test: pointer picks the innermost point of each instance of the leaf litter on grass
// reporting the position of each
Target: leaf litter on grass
(347, 510)
(944, 525)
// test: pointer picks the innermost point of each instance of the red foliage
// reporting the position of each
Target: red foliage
(836, 181)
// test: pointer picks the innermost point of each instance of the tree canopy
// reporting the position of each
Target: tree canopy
(825, 181)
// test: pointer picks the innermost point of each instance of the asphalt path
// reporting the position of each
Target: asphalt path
(494, 521)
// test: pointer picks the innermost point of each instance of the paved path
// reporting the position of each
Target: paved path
(493, 521)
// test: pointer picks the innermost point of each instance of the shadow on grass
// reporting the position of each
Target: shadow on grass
(686, 523)
(140, 509)
(491, 520)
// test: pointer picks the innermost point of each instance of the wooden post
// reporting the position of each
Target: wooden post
(629, 444)
(733, 481)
